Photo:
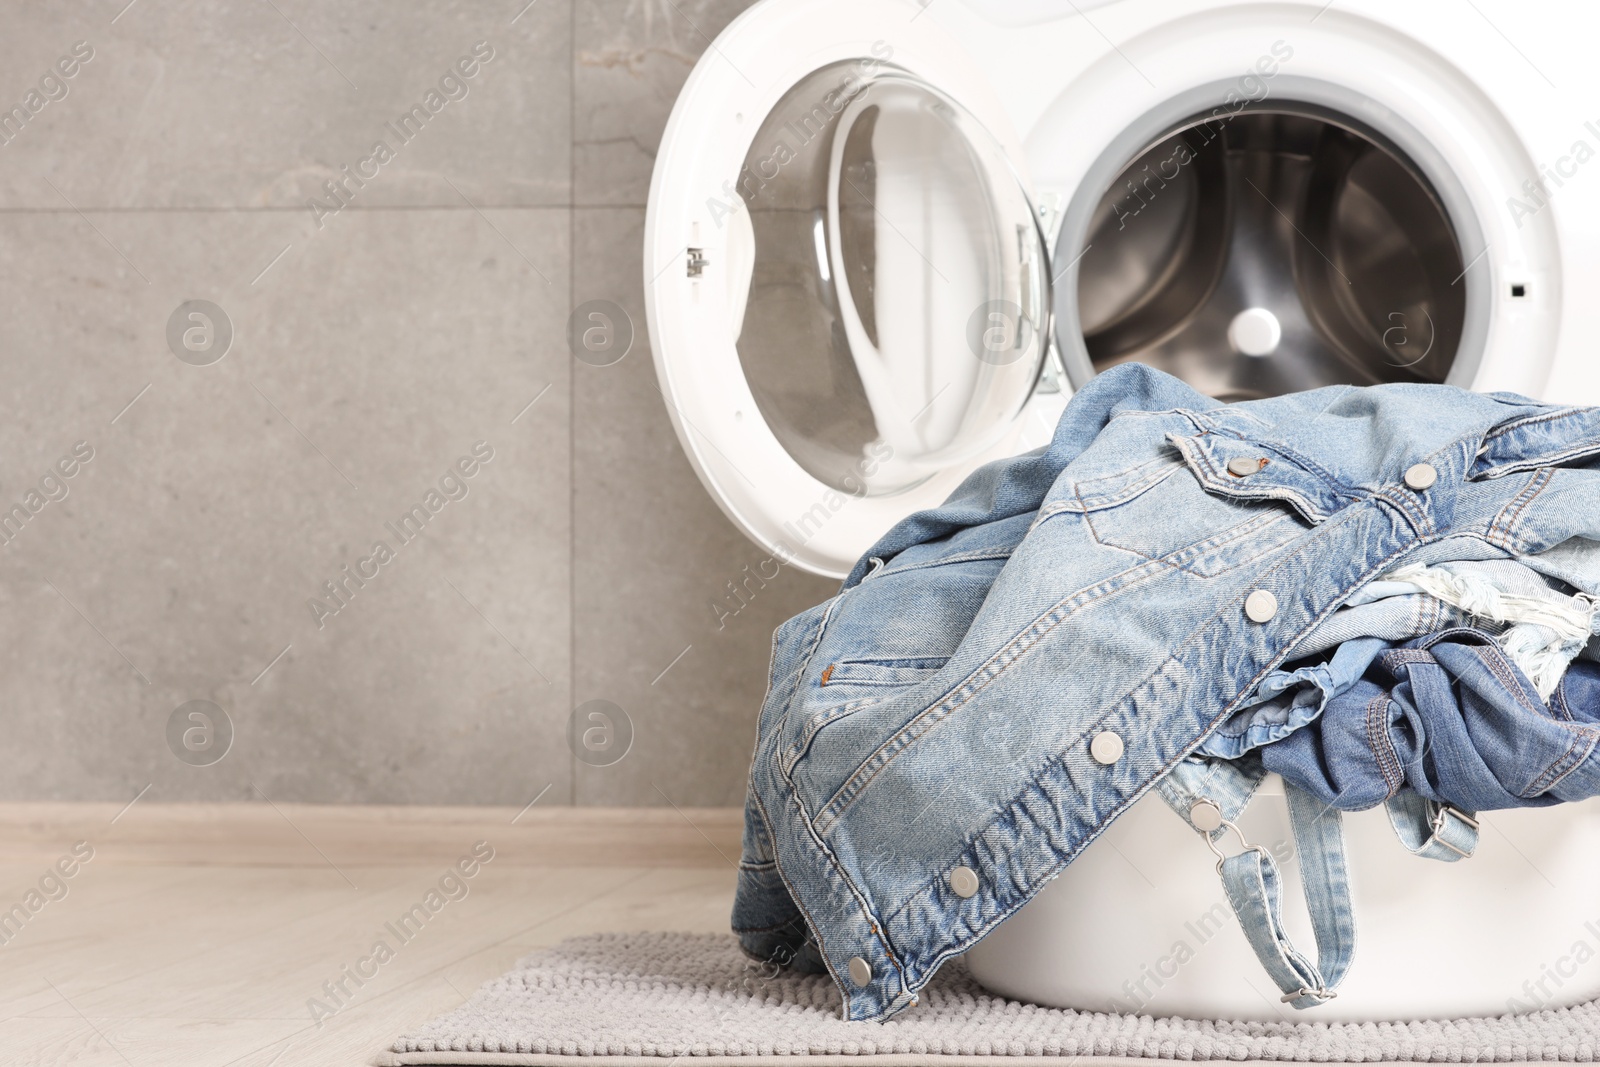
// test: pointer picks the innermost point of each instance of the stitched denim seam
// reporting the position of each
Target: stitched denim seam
(1494, 659)
(878, 931)
(1159, 472)
(1257, 419)
(1213, 479)
(799, 902)
(1311, 465)
(1142, 413)
(974, 556)
(1517, 465)
(1558, 702)
(1559, 767)
(783, 715)
(1244, 731)
(1405, 502)
(755, 868)
(1572, 757)
(1594, 738)
(815, 724)
(1189, 556)
(1528, 420)
(1382, 745)
(802, 668)
(1552, 459)
(1427, 614)
(1538, 483)
(1244, 802)
(1512, 512)
(1500, 527)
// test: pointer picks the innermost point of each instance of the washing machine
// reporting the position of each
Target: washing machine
(887, 239)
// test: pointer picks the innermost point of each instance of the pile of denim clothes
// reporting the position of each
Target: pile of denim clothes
(1385, 595)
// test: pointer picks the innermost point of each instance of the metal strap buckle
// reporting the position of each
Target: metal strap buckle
(1322, 995)
(1441, 817)
(1222, 857)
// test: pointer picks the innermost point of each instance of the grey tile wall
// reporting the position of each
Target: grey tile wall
(376, 342)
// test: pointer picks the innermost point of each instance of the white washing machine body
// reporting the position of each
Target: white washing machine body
(853, 197)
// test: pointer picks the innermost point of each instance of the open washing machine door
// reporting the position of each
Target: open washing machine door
(847, 284)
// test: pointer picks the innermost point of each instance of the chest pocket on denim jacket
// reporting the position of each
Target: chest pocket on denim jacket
(1187, 509)
(848, 686)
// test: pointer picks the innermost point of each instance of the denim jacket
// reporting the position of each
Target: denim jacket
(1003, 675)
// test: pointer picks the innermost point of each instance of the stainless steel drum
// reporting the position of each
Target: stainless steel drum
(1265, 252)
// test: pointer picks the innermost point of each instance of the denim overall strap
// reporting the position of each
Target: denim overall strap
(1430, 829)
(1254, 890)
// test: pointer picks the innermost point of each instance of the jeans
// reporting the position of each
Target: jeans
(1451, 718)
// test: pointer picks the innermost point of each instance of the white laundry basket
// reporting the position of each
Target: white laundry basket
(1139, 922)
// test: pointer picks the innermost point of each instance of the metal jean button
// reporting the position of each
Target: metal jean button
(1106, 747)
(1420, 476)
(964, 882)
(1260, 606)
(1205, 816)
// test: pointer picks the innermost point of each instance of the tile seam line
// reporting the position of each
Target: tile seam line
(572, 390)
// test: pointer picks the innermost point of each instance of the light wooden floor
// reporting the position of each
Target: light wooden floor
(197, 934)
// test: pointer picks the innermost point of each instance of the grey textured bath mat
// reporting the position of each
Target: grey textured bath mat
(623, 999)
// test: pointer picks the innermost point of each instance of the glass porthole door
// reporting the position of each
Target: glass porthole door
(849, 288)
